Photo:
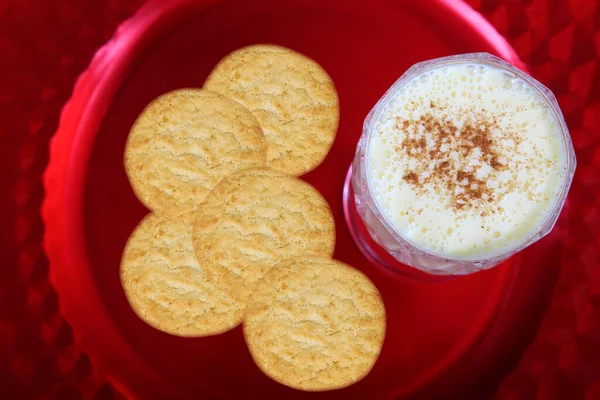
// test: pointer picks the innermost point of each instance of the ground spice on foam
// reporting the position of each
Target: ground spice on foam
(445, 155)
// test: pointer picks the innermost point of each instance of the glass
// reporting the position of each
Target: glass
(391, 241)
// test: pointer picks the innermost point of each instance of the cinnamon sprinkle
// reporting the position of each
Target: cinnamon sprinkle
(448, 156)
(412, 178)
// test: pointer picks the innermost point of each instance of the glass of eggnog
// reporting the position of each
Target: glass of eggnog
(463, 162)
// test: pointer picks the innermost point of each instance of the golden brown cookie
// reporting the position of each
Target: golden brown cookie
(254, 219)
(315, 324)
(292, 97)
(186, 141)
(165, 285)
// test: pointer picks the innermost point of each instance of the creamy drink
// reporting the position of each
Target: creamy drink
(466, 160)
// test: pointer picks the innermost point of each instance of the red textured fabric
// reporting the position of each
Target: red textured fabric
(560, 41)
(46, 44)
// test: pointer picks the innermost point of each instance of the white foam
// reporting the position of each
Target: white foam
(525, 190)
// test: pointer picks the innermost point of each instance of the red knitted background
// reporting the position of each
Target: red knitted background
(46, 44)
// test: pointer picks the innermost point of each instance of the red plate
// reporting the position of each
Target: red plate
(443, 339)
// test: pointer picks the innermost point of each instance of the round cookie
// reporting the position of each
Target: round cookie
(165, 285)
(292, 97)
(186, 141)
(315, 324)
(252, 220)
